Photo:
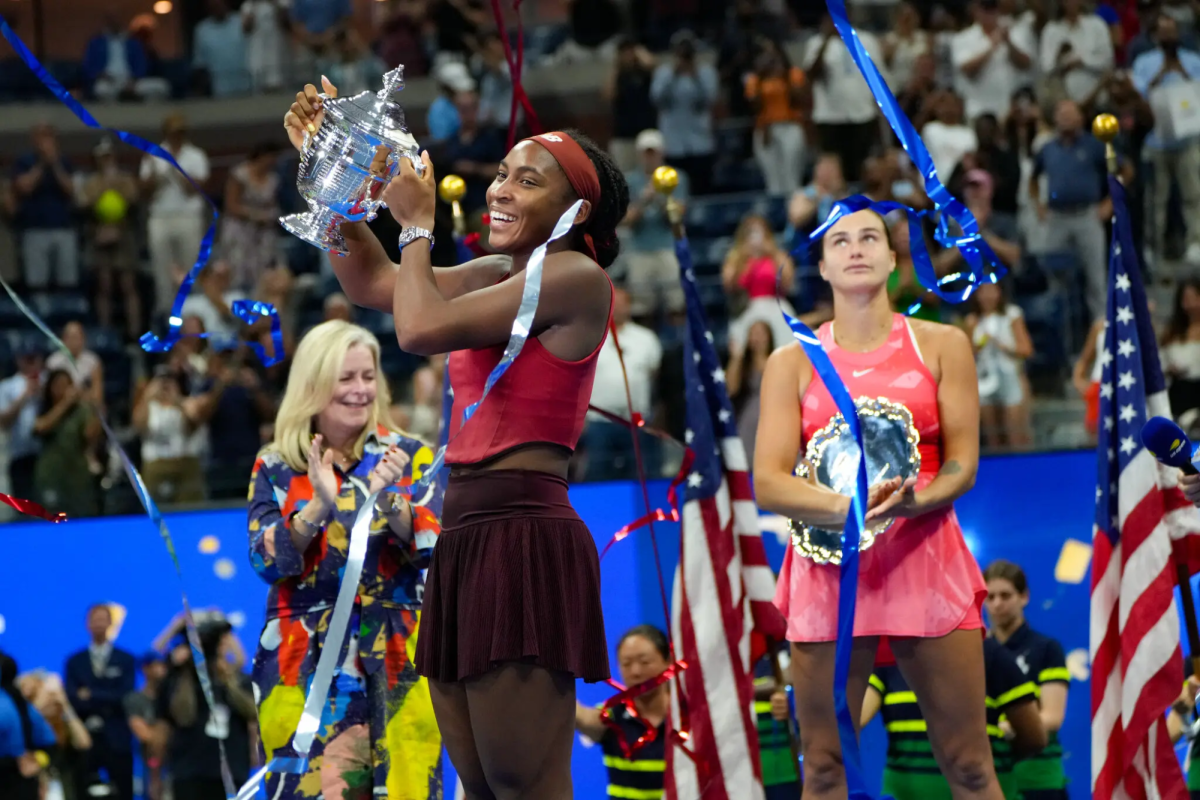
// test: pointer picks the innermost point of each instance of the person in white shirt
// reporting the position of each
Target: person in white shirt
(988, 57)
(1077, 47)
(86, 371)
(1023, 25)
(903, 45)
(211, 301)
(947, 137)
(608, 446)
(175, 219)
(265, 23)
(844, 109)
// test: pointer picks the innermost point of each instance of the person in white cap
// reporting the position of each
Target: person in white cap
(652, 273)
(443, 120)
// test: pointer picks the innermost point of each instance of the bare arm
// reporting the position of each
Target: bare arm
(788, 278)
(778, 443)
(872, 702)
(368, 276)
(47, 421)
(1083, 364)
(801, 209)
(26, 182)
(587, 722)
(1024, 344)
(1008, 252)
(1054, 705)
(958, 410)
(734, 370)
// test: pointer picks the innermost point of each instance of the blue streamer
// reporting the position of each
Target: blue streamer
(971, 244)
(148, 341)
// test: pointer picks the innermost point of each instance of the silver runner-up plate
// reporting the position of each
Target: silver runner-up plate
(890, 439)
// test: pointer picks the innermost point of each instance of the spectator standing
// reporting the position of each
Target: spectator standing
(402, 36)
(1077, 50)
(1000, 161)
(607, 444)
(250, 224)
(627, 89)
(474, 153)
(495, 85)
(1166, 76)
(115, 67)
(265, 24)
(903, 45)
(140, 710)
(844, 109)
(352, 66)
(651, 272)
(173, 433)
(62, 480)
(749, 274)
(44, 187)
(1002, 344)
(315, 26)
(212, 300)
(238, 406)
(1145, 39)
(84, 366)
(1181, 349)
(442, 119)
(109, 195)
(947, 136)
(989, 59)
(69, 760)
(811, 205)
(219, 51)
(684, 91)
(23, 731)
(1076, 173)
(175, 216)
(776, 91)
(19, 398)
(97, 680)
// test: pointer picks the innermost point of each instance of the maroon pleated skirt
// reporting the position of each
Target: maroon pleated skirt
(514, 577)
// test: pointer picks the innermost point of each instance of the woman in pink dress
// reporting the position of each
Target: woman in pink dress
(920, 590)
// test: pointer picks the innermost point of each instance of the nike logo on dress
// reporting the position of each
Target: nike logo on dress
(859, 373)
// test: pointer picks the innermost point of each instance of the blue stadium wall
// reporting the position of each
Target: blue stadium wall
(1023, 508)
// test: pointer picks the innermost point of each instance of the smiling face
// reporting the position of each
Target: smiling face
(527, 197)
(349, 408)
(856, 254)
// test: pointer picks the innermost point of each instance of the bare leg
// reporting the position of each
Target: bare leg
(989, 420)
(1016, 420)
(955, 710)
(454, 720)
(523, 719)
(812, 676)
(133, 304)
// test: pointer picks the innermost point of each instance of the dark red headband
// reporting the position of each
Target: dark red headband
(579, 169)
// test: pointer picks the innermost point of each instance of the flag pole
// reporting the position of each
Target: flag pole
(1105, 127)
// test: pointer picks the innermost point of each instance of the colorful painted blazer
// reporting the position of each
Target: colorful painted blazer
(304, 586)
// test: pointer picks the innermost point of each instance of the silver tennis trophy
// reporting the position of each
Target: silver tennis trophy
(891, 442)
(335, 165)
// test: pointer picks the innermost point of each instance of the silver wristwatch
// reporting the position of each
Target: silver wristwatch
(408, 235)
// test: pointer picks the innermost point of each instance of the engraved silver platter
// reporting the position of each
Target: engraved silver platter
(890, 439)
(335, 166)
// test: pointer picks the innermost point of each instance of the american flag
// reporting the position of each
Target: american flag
(1140, 514)
(723, 587)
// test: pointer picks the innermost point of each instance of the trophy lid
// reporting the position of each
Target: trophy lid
(375, 113)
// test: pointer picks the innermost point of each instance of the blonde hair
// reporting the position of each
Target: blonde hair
(311, 381)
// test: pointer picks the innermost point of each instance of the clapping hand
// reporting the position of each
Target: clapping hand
(389, 469)
(320, 473)
(890, 498)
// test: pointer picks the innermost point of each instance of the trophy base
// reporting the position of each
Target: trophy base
(321, 230)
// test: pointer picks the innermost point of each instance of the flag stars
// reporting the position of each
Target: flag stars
(695, 480)
(1123, 282)
(708, 335)
(718, 375)
(724, 415)
(1125, 348)
(1127, 413)
(696, 356)
(1128, 445)
(1105, 357)
(1099, 494)
(1108, 423)
(1106, 389)
(1126, 380)
(1125, 314)
(689, 435)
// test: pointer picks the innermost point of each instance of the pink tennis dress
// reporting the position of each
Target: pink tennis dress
(918, 579)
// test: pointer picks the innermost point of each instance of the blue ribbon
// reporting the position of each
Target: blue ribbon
(970, 243)
(148, 341)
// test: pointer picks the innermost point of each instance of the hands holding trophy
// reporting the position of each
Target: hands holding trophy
(350, 150)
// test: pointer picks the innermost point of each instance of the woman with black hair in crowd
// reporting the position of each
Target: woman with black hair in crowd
(23, 732)
(67, 429)
(1181, 348)
(642, 655)
(511, 613)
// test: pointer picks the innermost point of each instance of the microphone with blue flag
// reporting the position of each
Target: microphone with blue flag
(1167, 442)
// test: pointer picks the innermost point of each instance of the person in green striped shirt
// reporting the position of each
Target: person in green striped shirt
(1040, 775)
(780, 777)
(643, 653)
(1181, 716)
(911, 771)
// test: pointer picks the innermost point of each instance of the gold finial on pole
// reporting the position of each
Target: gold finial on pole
(1105, 127)
(451, 189)
(666, 179)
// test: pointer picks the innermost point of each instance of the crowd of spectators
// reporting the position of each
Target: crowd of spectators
(766, 118)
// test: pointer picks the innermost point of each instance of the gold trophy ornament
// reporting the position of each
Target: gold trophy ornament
(451, 189)
(666, 180)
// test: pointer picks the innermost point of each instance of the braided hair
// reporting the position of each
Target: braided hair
(614, 200)
(8, 685)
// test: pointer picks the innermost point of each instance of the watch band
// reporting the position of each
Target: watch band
(409, 235)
